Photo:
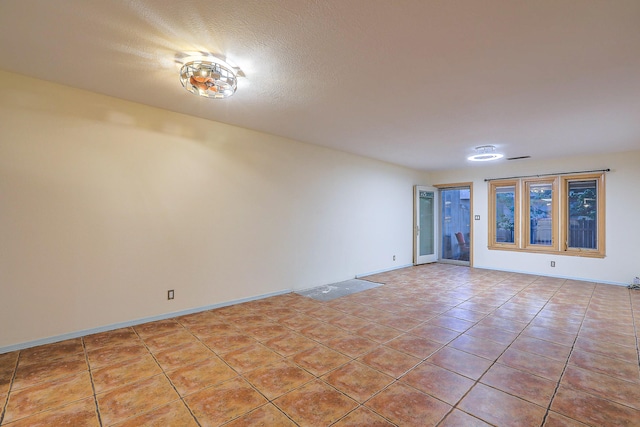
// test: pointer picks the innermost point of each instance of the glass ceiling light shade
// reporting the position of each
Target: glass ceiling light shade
(485, 153)
(209, 78)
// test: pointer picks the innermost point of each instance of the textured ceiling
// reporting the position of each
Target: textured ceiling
(417, 83)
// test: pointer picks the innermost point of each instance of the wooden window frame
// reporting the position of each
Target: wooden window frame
(559, 217)
(525, 225)
(599, 252)
(493, 191)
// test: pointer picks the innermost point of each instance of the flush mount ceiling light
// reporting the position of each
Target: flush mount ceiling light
(209, 77)
(485, 153)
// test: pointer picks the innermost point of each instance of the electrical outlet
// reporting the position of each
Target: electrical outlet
(394, 257)
(477, 217)
(170, 294)
(553, 263)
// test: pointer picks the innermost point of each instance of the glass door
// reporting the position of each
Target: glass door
(455, 225)
(425, 225)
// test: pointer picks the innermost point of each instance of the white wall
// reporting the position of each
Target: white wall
(107, 204)
(622, 261)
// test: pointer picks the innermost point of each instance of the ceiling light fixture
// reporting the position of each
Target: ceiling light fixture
(485, 153)
(209, 77)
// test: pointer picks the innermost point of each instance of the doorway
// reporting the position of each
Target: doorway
(455, 225)
(425, 224)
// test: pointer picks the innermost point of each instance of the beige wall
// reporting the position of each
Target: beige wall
(107, 204)
(622, 225)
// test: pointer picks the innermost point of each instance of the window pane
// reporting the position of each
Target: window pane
(505, 214)
(583, 214)
(540, 203)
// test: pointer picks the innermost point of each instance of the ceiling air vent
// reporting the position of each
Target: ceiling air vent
(518, 158)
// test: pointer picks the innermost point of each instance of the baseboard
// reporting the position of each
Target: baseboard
(359, 276)
(135, 322)
(581, 279)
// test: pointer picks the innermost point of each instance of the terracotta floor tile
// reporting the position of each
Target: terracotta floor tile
(617, 390)
(225, 343)
(299, 322)
(520, 384)
(323, 332)
(608, 335)
(499, 408)
(551, 335)
(223, 402)
(389, 361)
(438, 382)
(542, 348)
(628, 371)
(461, 419)
(406, 406)
(557, 420)
(414, 346)
(172, 414)
(47, 353)
(110, 355)
(532, 363)
(352, 345)
(315, 404)
(460, 362)
(592, 410)
(379, 333)
(184, 354)
(81, 413)
(267, 331)
(493, 321)
(513, 315)
(278, 313)
(363, 417)
(158, 343)
(159, 327)
(325, 314)
(607, 349)
(477, 306)
(434, 333)
(191, 378)
(126, 372)
(267, 416)
(8, 364)
(133, 399)
(400, 322)
(319, 360)
(492, 334)
(290, 343)
(34, 373)
(218, 328)
(479, 346)
(277, 379)
(349, 323)
(357, 380)
(251, 357)
(47, 395)
(453, 323)
(568, 326)
(461, 313)
(115, 338)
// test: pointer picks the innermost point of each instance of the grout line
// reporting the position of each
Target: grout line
(165, 374)
(555, 391)
(13, 377)
(93, 387)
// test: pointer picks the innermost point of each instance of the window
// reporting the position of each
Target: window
(504, 199)
(558, 214)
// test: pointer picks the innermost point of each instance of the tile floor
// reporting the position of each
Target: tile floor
(436, 345)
